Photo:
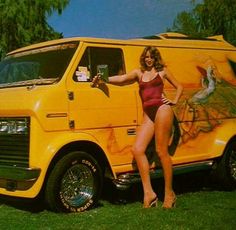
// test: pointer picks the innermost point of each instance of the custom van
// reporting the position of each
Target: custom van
(60, 137)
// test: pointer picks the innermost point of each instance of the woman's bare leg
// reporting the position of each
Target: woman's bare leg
(163, 128)
(144, 136)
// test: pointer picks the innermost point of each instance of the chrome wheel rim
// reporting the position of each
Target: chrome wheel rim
(77, 185)
(232, 163)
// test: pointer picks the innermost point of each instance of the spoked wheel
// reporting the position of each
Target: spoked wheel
(74, 184)
(77, 185)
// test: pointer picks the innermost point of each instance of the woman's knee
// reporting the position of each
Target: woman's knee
(137, 150)
(162, 152)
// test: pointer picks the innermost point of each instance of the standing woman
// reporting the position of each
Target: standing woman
(157, 119)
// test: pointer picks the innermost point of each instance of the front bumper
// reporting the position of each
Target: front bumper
(18, 178)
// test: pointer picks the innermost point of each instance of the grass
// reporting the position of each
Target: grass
(199, 206)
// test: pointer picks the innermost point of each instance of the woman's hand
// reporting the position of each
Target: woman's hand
(96, 81)
(167, 101)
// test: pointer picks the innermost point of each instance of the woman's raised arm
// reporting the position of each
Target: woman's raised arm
(123, 79)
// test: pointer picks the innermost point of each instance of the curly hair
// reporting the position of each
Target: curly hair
(154, 52)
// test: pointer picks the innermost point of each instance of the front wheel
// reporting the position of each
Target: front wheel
(74, 184)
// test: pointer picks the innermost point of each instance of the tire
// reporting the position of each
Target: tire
(74, 184)
(226, 168)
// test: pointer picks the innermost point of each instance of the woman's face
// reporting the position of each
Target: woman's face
(149, 61)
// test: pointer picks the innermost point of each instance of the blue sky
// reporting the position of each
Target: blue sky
(117, 18)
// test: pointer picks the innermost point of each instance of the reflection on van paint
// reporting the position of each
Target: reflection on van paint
(113, 144)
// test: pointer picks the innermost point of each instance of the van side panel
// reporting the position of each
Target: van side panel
(208, 100)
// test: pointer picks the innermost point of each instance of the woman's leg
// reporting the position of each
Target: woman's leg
(143, 138)
(163, 128)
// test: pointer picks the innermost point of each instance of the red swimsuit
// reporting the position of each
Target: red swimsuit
(151, 95)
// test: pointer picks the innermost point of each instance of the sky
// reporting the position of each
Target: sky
(121, 19)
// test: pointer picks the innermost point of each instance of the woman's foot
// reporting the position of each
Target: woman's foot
(169, 201)
(149, 203)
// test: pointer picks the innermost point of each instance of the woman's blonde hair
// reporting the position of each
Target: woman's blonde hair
(154, 52)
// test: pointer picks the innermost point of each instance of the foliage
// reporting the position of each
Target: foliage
(24, 22)
(209, 18)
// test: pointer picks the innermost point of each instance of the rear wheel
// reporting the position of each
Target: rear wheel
(74, 184)
(226, 169)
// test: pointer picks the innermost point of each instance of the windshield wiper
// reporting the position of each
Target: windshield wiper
(32, 82)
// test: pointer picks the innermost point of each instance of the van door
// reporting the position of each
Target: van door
(107, 112)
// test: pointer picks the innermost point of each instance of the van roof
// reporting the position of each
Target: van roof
(159, 40)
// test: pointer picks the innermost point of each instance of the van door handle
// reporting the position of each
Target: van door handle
(131, 131)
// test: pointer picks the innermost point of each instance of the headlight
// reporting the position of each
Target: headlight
(14, 126)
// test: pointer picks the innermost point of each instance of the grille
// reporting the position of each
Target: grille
(14, 148)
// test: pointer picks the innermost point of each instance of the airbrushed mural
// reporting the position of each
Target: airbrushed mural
(205, 107)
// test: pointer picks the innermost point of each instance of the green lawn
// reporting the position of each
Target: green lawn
(199, 206)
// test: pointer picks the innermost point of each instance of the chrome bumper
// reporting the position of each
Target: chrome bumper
(16, 178)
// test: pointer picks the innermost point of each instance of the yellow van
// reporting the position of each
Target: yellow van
(60, 137)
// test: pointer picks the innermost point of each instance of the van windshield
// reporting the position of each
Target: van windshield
(45, 65)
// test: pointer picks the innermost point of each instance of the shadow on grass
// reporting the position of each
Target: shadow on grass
(185, 183)
(30, 205)
(192, 182)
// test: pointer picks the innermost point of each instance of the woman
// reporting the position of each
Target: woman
(157, 119)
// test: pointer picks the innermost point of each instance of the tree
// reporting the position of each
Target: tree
(23, 22)
(209, 18)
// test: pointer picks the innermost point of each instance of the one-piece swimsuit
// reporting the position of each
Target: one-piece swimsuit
(151, 95)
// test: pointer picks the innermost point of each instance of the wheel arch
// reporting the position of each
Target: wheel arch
(224, 138)
(86, 146)
(225, 149)
(228, 145)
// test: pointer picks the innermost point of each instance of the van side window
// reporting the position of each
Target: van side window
(94, 56)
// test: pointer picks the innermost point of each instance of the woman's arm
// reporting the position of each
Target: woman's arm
(179, 88)
(123, 79)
